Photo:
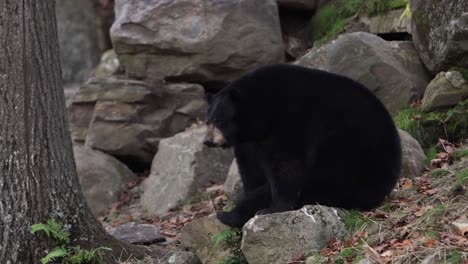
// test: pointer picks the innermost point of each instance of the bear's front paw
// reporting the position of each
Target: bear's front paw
(232, 219)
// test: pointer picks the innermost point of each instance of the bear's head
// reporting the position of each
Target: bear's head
(222, 128)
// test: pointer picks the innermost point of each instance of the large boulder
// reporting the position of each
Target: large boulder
(181, 168)
(76, 25)
(101, 178)
(127, 118)
(445, 90)
(196, 39)
(440, 31)
(390, 69)
(280, 237)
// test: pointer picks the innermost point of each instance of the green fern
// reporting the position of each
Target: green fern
(232, 239)
(66, 253)
(228, 236)
(56, 253)
(40, 227)
(52, 229)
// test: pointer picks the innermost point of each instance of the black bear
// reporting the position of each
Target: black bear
(304, 136)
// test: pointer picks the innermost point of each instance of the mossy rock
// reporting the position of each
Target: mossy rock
(331, 19)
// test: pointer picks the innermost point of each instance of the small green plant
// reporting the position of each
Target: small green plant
(431, 154)
(459, 154)
(350, 255)
(232, 239)
(427, 128)
(406, 13)
(63, 251)
(462, 176)
(355, 221)
(331, 19)
(454, 257)
(432, 234)
(438, 173)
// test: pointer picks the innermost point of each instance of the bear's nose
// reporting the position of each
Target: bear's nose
(209, 143)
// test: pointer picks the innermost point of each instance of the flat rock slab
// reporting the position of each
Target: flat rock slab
(138, 234)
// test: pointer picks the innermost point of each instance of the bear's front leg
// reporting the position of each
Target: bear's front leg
(248, 158)
(286, 179)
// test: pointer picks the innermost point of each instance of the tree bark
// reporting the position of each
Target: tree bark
(38, 178)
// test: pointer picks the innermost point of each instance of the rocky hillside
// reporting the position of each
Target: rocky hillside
(136, 116)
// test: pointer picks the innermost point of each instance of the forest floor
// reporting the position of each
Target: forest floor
(425, 220)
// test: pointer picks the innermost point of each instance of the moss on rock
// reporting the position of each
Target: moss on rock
(427, 128)
(331, 19)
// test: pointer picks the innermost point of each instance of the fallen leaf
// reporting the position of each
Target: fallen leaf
(403, 244)
(406, 183)
(423, 210)
(430, 243)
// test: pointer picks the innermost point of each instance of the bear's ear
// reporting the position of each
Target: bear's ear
(209, 97)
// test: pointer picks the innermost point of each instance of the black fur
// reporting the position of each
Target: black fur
(304, 136)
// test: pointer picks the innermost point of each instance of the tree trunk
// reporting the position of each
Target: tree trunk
(38, 178)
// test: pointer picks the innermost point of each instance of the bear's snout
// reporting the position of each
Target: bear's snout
(214, 137)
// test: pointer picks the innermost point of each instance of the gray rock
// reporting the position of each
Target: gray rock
(108, 65)
(391, 70)
(142, 115)
(389, 22)
(278, 238)
(296, 29)
(197, 236)
(440, 31)
(317, 259)
(367, 261)
(445, 90)
(233, 186)
(182, 257)
(413, 161)
(101, 177)
(138, 234)
(182, 166)
(201, 39)
(76, 25)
